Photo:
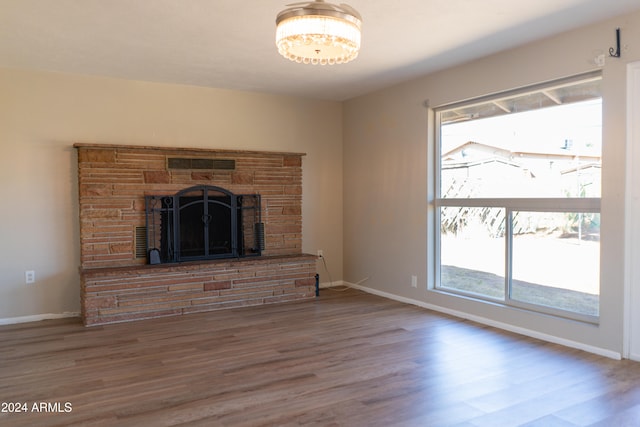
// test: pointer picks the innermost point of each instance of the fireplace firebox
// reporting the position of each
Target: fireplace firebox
(203, 222)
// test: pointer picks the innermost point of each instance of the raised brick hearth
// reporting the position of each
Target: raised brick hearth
(129, 293)
(118, 285)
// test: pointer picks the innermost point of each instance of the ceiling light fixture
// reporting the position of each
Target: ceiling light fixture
(318, 33)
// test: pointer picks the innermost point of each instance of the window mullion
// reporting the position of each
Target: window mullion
(508, 254)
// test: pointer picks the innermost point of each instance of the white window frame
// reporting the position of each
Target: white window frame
(557, 204)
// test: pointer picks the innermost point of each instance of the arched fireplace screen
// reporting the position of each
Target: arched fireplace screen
(203, 222)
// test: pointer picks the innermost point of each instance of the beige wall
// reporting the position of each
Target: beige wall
(387, 181)
(42, 114)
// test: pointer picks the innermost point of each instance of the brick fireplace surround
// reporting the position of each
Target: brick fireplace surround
(118, 285)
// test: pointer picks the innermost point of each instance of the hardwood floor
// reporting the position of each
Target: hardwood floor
(345, 359)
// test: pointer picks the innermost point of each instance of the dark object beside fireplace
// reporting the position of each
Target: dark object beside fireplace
(203, 222)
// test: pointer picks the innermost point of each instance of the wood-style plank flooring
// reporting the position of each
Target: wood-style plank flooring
(344, 359)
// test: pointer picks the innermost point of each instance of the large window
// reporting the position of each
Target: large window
(518, 197)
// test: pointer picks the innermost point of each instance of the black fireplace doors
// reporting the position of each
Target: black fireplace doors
(203, 222)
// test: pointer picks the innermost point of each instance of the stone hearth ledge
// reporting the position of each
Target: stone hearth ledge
(127, 293)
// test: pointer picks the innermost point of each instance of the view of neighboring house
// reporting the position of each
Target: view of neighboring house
(468, 167)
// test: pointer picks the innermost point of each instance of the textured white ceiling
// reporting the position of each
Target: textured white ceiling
(230, 43)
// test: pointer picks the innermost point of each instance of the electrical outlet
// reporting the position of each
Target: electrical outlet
(320, 253)
(414, 281)
(29, 276)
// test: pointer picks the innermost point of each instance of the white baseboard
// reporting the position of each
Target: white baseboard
(635, 357)
(500, 325)
(37, 318)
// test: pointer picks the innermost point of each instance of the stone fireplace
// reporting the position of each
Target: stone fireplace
(243, 210)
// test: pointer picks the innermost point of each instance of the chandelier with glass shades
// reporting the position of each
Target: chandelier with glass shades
(318, 32)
